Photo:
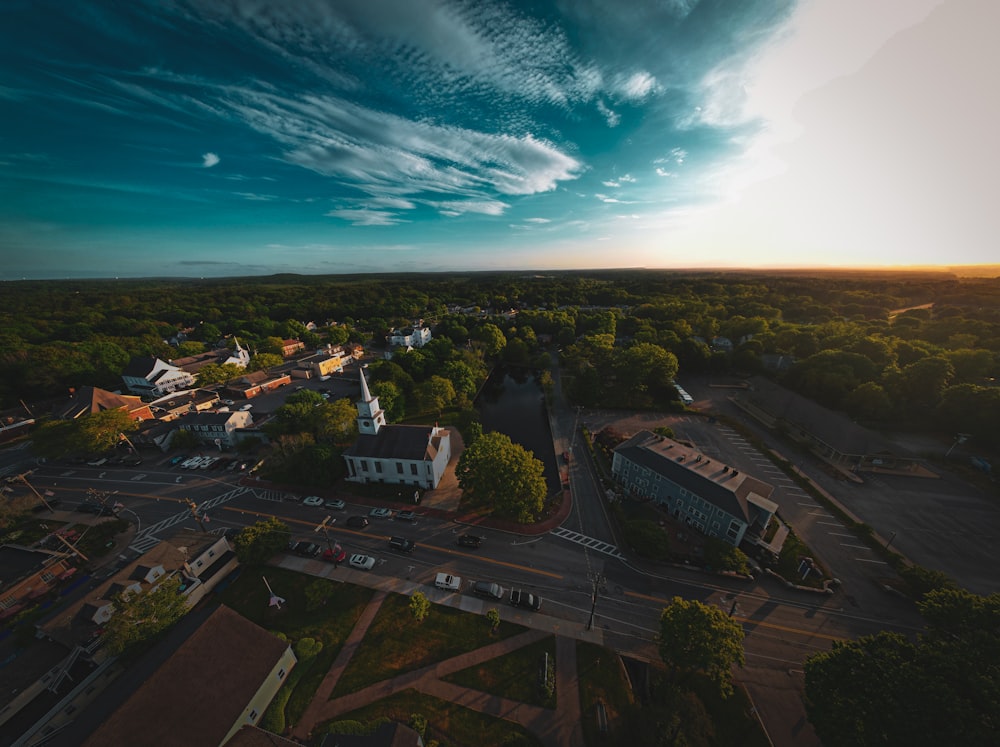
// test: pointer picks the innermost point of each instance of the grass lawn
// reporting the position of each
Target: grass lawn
(601, 679)
(447, 722)
(396, 643)
(514, 676)
(331, 624)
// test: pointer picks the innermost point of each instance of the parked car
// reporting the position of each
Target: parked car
(380, 513)
(207, 462)
(228, 402)
(362, 562)
(336, 504)
(447, 582)
(178, 459)
(488, 589)
(336, 555)
(247, 406)
(98, 462)
(406, 516)
(470, 540)
(401, 544)
(95, 508)
(306, 549)
(312, 500)
(520, 598)
(357, 522)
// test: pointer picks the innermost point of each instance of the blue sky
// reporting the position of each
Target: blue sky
(238, 137)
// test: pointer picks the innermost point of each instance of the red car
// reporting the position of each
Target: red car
(336, 555)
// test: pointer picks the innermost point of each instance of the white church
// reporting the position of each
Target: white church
(397, 454)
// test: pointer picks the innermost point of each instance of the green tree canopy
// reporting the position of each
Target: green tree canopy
(496, 472)
(697, 637)
(887, 690)
(142, 615)
(255, 544)
(263, 361)
(93, 433)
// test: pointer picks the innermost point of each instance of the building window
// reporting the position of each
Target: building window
(281, 674)
(253, 715)
(211, 553)
(413, 469)
(399, 468)
(378, 467)
(364, 465)
(47, 576)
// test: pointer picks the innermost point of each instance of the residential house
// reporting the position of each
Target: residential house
(200, 561)
(148, 376)
(174, 405)
(216, 428)
(27, 574)
(88, 400)
(398, 454)
(410, 337)
(238, 356)
(198, 686)
(353, 349)
(705, 493)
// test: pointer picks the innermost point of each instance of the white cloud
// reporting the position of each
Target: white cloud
(364, 217)
(537, 220)
(637, 86)
(208, 160)
(612, 118)
(454, 208)
(660, 171)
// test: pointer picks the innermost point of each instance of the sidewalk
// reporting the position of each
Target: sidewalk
(559, 728)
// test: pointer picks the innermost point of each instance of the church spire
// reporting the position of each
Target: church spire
(370, 415)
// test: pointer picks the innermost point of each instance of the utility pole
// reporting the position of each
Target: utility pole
(596, 580)
(198, 516)
(324, 525)
(23, 477)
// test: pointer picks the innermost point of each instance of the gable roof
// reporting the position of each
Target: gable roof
(141, 366)
(197, 694)
(711, 480)
(409, 442)
(88, 400)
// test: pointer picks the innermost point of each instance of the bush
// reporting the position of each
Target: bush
(647, 539)
(721, 556)
(922, 581)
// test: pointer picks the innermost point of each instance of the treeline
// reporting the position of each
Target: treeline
(843, 339)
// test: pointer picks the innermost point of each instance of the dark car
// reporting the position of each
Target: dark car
(306, 549)
(95, 508)
(406, 516)
(520, 598)
(401, 544)
(357, 522)
(488, 589)
(470, 540)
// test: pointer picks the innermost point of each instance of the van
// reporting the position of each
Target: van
(447, 582)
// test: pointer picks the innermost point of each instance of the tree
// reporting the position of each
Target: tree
(491, 339)
(493, 617)
(420, 606)
(496, 472)
(696, 637)
(93, 433)
(256, 543)
(435, 394)
(184, 439)
(141, 615)
(307, 648)
(264, 361)
(887, 690)
(214, 373)
(391, 399)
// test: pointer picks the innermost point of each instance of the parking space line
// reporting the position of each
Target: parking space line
(870, 560)
(856, 547)
(840, 534)
(808, 505)
(830, 523)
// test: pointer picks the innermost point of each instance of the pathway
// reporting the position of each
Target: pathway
(559, 728)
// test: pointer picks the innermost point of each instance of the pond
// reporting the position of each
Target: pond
(513, 403)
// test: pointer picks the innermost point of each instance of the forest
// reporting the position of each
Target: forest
(919, 351)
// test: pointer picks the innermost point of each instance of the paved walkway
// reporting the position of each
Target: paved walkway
(559, 728)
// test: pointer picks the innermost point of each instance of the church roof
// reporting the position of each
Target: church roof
(410, 442)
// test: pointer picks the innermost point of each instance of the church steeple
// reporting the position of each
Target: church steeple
(370, 415)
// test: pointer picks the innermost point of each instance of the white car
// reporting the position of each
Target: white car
(312, 500)
(246, 407)
(207, 462)
(192, 463)
(336, 504)
(362, 562)
(380, 513)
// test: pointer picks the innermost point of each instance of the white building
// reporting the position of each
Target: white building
(148, 376)
(410, 337)
(398, 454)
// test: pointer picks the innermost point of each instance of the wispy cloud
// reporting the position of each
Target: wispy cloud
(208, 160)
(363, 217)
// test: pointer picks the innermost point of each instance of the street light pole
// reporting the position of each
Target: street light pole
(324, 526)
(597, 579)
(199, 517)
(23, 477)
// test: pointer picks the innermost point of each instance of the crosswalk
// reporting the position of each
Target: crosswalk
(147, 539)
(588, 542)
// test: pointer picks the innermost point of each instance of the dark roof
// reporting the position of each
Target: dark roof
(254, 736)
(410, 442)
(18, 562)
(140, 366)
(197, 695)
(832, 428)
(710, 480)
(390, 734)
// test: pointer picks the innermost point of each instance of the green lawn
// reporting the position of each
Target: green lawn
(331, 624)
(396, 643)
(514, 676)
(601, 679)
(447, 722)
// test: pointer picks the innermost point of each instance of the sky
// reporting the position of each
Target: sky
(220, 138)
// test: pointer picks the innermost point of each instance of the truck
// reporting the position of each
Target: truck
(448, 582)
